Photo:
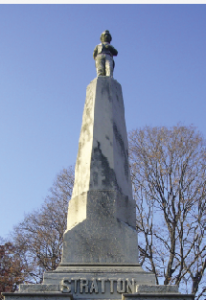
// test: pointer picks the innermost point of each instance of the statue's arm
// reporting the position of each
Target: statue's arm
(95, 52)
(113, 51)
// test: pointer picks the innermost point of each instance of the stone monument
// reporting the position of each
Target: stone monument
(100, 248)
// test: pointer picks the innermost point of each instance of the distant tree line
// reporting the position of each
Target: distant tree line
(168, 170)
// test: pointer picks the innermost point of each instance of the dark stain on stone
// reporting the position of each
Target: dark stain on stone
(101, 162)
(101, 204)
(95, 178)
(127, 200)
(123, 150)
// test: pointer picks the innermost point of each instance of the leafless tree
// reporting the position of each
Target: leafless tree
(168, 168)
(39, 236)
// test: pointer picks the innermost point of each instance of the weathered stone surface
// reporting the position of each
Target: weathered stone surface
(102, 237)
(110, 281)
(101, 216)
(38, 296)
(28, 288)
(156, 289)
(102, 161)
(156, 292)
(95, 281)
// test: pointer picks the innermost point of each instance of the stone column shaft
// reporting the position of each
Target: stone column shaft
(101, 215)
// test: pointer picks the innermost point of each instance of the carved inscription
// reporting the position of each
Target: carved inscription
(97, 285)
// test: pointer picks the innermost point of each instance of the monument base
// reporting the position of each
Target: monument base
(68, 296)
(143, 292)
(93, 281)
(126, 282)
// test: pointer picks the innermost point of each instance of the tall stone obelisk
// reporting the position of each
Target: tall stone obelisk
(100, 250)
(101, 216)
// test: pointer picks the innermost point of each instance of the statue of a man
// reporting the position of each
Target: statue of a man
(103, 55)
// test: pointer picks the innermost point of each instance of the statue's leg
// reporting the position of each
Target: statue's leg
(109, 66)
(100, 65)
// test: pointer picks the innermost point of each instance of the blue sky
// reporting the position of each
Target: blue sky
(46, 64)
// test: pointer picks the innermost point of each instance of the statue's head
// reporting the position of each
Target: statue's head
(106, 36)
